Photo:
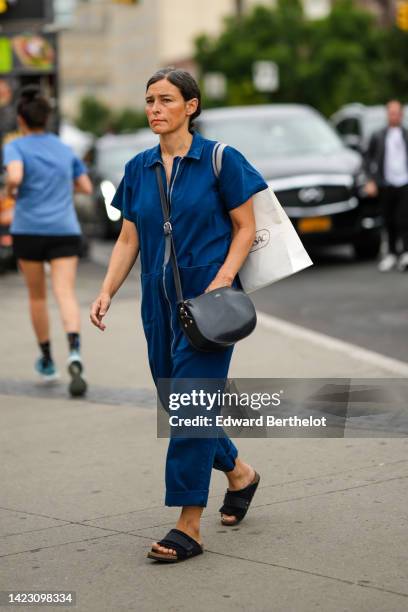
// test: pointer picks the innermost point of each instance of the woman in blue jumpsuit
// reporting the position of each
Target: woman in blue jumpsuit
(205, 212)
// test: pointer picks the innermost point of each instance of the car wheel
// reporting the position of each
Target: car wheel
(104, 226)
(367, 248)
(85, 247)
(107, 232)
(7, 260)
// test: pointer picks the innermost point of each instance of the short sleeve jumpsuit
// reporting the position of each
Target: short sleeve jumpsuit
(202, 232)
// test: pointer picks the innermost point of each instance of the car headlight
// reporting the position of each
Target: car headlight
(108, 191)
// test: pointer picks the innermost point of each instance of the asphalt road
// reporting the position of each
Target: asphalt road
(345, 299)
(338, 296)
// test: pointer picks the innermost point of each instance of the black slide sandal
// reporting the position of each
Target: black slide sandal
(184, 545)
(236, 503)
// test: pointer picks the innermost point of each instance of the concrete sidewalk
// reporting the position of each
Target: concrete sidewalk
(82, 484)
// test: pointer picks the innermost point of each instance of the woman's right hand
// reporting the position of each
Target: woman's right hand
(371, 189)
(123, 257)
(99, 309)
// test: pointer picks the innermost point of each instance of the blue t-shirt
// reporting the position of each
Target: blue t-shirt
(44, 203)
(199, 202)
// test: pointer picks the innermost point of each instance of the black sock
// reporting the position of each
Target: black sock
(46, 351)
(74, 341)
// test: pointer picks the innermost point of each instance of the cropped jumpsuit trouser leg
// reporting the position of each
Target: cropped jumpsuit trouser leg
(189, 460)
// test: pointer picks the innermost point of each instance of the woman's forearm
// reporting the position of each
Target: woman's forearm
(11, 188)
(123, 257)
(83, 184)
(240, 246)
(14, 177)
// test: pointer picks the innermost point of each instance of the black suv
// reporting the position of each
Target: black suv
(108, 159)
(317, 179)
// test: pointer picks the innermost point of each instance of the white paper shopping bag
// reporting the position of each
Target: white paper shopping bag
(277, 251)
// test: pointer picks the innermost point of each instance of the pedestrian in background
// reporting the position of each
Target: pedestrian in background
(386, 164)
(8, 131)
(213, 228)
(41, 175)
(8, 119)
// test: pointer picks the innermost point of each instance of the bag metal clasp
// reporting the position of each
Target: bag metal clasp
(167, 228)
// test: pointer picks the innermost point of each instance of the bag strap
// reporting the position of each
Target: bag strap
(169, 250)
(217, 152)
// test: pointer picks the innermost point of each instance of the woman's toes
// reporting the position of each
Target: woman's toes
(162, 550)
(227, 518)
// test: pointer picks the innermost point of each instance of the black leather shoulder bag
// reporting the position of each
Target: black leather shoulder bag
(211, 321)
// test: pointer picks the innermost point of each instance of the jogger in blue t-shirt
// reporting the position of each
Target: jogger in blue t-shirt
(41, 174)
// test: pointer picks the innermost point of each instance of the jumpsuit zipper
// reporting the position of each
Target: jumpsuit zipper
(170, 186)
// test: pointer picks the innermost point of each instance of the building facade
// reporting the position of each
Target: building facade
(384, 10)
(109, 49)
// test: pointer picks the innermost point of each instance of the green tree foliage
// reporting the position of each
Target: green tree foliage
(94, 116)
(128, 120)
(97, 118)
(345, 57)
(395, 64)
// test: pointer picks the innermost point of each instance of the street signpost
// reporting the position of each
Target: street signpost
(215, 85)
(25, 10)
(29, 53)
(265, 76)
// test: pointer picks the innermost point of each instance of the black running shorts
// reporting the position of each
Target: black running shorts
(44, 248)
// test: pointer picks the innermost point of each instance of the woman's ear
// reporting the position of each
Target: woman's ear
(191, 106)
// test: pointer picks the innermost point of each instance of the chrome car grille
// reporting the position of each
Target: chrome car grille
(315, 194)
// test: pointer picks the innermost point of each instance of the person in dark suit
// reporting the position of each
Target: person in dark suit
(386, 164)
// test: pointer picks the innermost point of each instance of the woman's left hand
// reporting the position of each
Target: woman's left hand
(219, 281)
(243, 234)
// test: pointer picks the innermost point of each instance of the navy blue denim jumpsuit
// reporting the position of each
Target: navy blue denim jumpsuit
(202, 231)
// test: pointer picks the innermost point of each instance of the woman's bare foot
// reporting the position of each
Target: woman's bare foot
(189, 523)
(239, 478)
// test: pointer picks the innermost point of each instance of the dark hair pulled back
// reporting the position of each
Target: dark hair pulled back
(33, 107)
(184, 82)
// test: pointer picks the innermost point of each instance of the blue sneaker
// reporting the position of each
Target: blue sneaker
(46, 370)
(77, 387)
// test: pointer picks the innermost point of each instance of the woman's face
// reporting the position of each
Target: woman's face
(166, 109)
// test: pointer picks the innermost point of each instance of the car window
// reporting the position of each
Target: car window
(269, 136)
(349, 125)
(113, 159)
(374, 120)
